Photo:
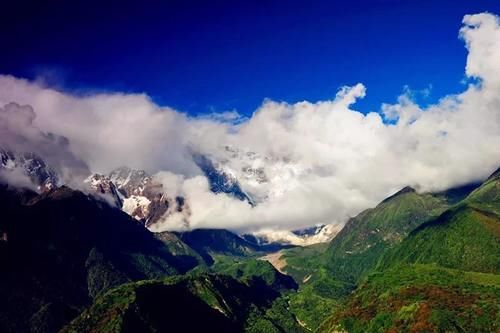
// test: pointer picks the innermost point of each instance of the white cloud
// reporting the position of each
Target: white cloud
(324, 161)
(16, 178)
(19, 133)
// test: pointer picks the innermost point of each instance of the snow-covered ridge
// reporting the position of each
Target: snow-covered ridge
(130, 181)
(244, 175)
(139, 195)
(136, 206)
(321, 234)
(32, 166)
(102, 185)
(263, 178)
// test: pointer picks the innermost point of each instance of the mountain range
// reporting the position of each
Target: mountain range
(143, 197)
(85, 261)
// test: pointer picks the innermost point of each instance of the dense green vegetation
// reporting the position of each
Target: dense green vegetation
(328, 273)
(487, 197)
(436, 279)
(462, 238)
(64, 248)
(465, 237)
(191, 303)
(210, 242)
(421, 298)
(357, 248)
(252, 270)
(414, 263)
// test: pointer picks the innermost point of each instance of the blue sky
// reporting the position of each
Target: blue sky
(201, 57)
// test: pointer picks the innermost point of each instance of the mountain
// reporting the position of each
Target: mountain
(34, 167)
(328, 274)
(210, 242)
(486, 198)
(254, 177)
(467, 236)
(104, 187)
(462, 238)
(443, 277)
(359, 245)
(322, 233)
(142, 196)
(251, 270)
(136, 193)
(415, 262)
(420, 298)
(62, 248)
(188, 304)
(130, 181)
(221, 181)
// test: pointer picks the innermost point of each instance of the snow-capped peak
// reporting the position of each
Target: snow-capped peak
(260, 177)
(130, 181)
(32, 166)
(103, 186)
(314, 235)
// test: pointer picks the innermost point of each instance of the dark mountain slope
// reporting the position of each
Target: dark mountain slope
(188, 304)
(253, 270)
(62, 248)
(210, 242)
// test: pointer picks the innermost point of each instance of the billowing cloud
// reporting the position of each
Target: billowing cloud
(17, 179)
(316, 162)
(18, 133)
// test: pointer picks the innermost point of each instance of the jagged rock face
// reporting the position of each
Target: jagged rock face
(144, 197)
(137, 194)
(259, 178)
(130, 181)
(31, 165)
(219, 180)
(104, 186)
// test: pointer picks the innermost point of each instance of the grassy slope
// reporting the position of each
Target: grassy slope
(329, 273)
(487, 196)
(421, 298)
(319, 292)
(462, 238)
(358, 247)
(465, 237)
(414, 292)
(252, 269)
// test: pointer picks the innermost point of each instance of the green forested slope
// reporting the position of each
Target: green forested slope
(442, 278)
(420, 298)
(192, 303)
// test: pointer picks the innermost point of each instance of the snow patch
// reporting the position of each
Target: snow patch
(323, 234)
(136, 206)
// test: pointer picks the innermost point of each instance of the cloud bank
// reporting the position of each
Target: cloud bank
(324, 161)
(18, 133)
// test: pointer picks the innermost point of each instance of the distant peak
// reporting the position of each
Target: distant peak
(495, 174)
(404, 190)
